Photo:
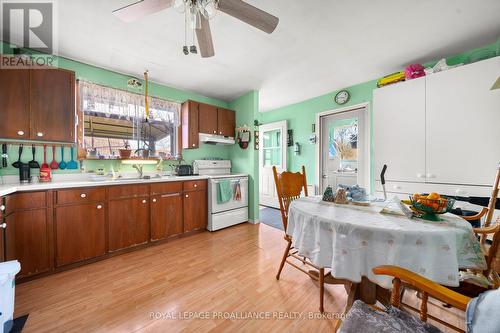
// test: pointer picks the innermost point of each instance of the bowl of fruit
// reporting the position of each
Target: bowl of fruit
(429, 206)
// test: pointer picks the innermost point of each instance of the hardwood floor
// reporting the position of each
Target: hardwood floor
(230, 273)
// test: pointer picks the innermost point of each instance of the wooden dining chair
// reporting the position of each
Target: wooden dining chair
(289, 187)
(363, 317)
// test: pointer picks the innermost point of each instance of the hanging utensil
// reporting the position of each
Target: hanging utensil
(44, 164)
(4, 155)
(17, 164)
(33, 163)
(62, 164)
(54, 165)
(72, 163)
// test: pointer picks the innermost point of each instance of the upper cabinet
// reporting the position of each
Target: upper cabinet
(15, 103)
(38, 104)
(395, 108)
(207, 119)
(226, 122)
(53, 105)
(463, 124)
(441, 128)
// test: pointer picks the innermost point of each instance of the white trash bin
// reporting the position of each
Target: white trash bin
(8, 271)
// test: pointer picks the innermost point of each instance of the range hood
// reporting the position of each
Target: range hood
(212, 139)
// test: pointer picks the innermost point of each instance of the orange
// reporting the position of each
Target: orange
(433, 196)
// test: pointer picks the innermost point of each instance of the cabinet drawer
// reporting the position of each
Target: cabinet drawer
(161, 188)
(195, 185)
(81, 195)
(24, 201)
(128, 191)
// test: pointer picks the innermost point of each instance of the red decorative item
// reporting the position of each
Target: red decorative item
(414, 71)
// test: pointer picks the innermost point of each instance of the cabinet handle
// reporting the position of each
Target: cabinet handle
(195, 185)
(430, 175)
(170, 195)
(193, 145)
(99, 206)
(154, 200)
(83, 195)
(220, 132)
(187, 195)
(215, 132)
(144, 201)
(2, 208)
(39, 134)
(20, 133)
(420, 175)
(3, 225)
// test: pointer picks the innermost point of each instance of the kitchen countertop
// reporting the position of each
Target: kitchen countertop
(87, 182)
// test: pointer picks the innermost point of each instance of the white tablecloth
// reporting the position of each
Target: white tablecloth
(351, 240)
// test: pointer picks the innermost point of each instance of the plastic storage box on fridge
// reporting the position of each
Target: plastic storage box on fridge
(8, 271)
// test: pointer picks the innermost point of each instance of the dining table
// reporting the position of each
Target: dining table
(351, 240)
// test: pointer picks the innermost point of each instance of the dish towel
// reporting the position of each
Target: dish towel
(237, 192)
(224, 192)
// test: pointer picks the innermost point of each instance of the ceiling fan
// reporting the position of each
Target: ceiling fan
(197, 16)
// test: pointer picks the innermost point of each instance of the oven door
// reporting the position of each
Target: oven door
(231, 204)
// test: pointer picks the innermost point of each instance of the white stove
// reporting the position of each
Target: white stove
(234, 211)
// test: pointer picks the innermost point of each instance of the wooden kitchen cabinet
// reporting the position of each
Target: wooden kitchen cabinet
(128, 223)
(226, 122)
(53, 105)
(15, 104)
(166, 216)
(208, 119)
(190, 125)
(80, 233)
(195, 210)
(27, 240)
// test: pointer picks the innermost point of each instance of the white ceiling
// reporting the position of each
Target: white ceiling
(319, 45)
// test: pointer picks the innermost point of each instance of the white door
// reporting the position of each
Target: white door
(399, 131)
(272, 152)
(463, 124)
(344, 149)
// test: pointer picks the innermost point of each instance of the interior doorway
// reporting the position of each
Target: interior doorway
(272, 152)
(343, 148)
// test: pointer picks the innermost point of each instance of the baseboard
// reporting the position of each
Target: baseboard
(256, 221)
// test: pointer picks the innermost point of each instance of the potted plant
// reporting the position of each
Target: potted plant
(125, 152)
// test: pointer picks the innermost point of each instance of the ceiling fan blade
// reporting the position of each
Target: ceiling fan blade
(141, 9)
(204, 36)
(249, 14)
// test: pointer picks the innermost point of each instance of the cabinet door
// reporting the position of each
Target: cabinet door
(399, 131)
(195, 210)
(128, 223)
(80, 233)
(27, 240)
(15, 103)
(53, 105)
(463, 117)
(226, 122)
(190, 125)
(166, 216)
(207, 119)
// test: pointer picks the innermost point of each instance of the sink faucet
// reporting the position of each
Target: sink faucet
(138, 167)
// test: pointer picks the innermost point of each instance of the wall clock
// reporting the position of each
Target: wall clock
(342, 97)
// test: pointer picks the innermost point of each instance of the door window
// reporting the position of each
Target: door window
(272, 148)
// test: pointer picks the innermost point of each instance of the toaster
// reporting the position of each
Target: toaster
(184, 170)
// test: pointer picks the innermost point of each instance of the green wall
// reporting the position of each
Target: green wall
(117, 80)
(247, 160)
(301, 116)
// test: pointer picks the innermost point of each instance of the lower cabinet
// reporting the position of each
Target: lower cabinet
(2, 244)
(195, 210)
(80, 233)
(166, 216)
(27, 240)
(128, 223)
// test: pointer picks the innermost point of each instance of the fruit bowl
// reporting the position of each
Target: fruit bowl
(430, 206)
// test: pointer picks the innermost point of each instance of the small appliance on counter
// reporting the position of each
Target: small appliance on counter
(184, 170)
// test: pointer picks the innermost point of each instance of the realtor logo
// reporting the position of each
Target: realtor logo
(28, 32)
